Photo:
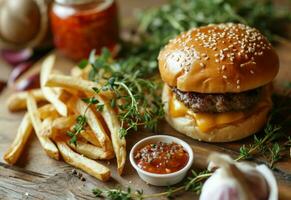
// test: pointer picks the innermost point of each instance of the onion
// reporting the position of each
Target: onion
(18, 70)
(16, 57)
(28, 83)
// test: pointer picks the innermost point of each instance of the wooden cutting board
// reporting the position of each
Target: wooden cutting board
(36, 176)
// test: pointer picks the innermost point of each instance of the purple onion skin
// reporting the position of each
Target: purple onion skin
(18, 70)
(14, 57)
(27, 84)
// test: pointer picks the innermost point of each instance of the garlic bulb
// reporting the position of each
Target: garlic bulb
(238, 181)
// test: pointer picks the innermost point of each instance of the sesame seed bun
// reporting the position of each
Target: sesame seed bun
(218, 59)
(229, 132)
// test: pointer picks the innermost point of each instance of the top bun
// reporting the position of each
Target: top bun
(218, 59)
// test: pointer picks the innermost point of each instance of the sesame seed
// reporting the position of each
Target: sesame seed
(234, 40)
(225, 77)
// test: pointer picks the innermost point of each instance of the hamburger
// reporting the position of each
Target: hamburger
(217, 81)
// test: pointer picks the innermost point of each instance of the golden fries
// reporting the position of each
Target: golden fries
(95, 124)
(46, 127)
(49, 93)
(45, 142)
(55, 122)
(90, 137)
(119, 144)
(63, 124)
(91, 151)
(74, 83)
(90, 166)
(17, 101)
(46, 111)
(24, 131)
(14, 151)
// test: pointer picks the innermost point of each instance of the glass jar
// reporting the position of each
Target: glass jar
(80, 26)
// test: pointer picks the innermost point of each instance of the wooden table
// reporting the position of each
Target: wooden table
(38, 177)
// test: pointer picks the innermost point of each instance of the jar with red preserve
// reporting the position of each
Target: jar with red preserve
(79, 26)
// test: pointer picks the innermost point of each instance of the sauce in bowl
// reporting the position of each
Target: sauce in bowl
(161, 157)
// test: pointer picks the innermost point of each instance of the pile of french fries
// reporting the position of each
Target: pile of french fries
(52, 111)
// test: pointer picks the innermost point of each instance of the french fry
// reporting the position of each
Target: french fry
(90, 137)
(46, 127)
(89, 166)
(50, 94)
(46, 111)
(24, 131)
(81, 73)
(45, 142)
(119, 144)
(74, 83)
(95, 124)
(63, 124)
(91, 151)
(17, 101)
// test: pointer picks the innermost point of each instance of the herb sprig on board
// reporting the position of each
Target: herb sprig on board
(136, 96)
(81, 121)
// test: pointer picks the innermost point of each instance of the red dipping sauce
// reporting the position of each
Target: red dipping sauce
(83, 25)
(161, 157)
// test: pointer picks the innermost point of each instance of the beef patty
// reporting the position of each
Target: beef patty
(217, 103)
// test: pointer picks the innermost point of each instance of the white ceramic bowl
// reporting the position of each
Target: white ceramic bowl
(161, 179)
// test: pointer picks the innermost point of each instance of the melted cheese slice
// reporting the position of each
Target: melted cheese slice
(208, 121)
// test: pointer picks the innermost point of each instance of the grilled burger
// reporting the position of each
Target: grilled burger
(218, 81)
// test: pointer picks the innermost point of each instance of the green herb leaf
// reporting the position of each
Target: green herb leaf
(83, 64)
(97, 192)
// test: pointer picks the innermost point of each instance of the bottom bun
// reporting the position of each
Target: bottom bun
(227, 133)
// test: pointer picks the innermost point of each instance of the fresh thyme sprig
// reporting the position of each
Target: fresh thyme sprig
(136, 96)
(81, 121)
(193, 183)
(272, 132)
